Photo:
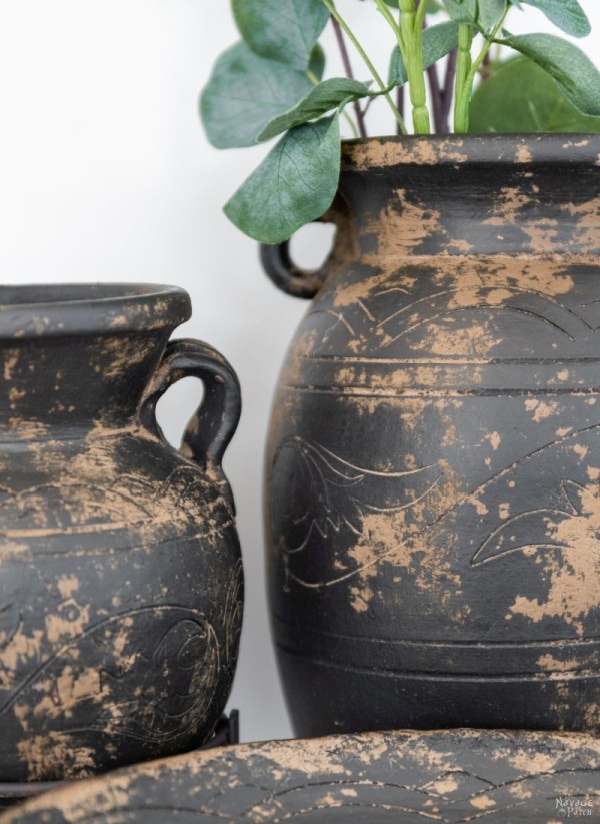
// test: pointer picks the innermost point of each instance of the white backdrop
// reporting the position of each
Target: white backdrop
(105, 174)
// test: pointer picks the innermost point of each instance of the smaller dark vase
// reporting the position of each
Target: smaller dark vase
(120, 569)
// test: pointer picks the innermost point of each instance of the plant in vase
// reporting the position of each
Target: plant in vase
(271, 84)
(433, 466)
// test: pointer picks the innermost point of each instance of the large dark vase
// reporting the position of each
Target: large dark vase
(433, 473)
(120, 571)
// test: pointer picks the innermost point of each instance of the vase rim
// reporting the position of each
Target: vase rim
(527, 148)
(62, 309)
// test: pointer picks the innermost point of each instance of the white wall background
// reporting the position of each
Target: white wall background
(105, 174)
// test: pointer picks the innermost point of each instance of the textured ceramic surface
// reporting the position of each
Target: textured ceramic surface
(227, 732)
(449, 777)
(433, 474)
(120, 570)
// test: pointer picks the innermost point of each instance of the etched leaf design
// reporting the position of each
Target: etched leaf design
(10, 618)
(325, 493)
(532, 306)
(539, 528)
(148, 674)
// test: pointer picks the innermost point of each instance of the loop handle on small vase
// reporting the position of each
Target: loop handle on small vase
(212, 426)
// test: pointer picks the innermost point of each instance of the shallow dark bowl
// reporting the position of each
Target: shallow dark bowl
(451, 776)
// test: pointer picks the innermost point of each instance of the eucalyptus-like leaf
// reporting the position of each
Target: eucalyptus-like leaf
(490, 13)
(283, 30)
(462, 11)
(328, 95)
(438, 41)
(316, 64)
(519, 96)
(483, 14)
(566, 14)
(244, 93)
(294, 184)
(576, 75)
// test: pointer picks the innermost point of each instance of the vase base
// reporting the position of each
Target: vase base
(325, 698)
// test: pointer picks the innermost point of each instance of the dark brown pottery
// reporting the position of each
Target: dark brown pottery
(120, 571)
(433, 473)
(451, 776)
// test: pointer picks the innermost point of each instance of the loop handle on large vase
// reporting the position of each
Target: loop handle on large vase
(213, 425)
(288, 277)
(292, 279)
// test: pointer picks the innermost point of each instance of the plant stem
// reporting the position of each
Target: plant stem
(421, 10)
(484, 69)
(437, 99)
(462, 95)
(411, 46)
(400, 103)
(352, 124)
(336, 15)
(440, 120)
(461, 122)
(448, 86)
(384, 10)
(358, 112)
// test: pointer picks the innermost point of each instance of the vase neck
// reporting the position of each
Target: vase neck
(76, 382)
(81, 355)
(497, 195)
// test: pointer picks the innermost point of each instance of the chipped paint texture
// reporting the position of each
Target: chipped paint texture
(432, 473)
(573, 575)
(121, 584)
(408, 776)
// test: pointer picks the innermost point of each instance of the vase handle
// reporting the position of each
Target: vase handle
(305, 283)
(212, 426)
(288, 277)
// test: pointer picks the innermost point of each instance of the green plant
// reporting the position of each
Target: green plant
(271, 84)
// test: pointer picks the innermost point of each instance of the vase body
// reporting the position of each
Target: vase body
(433, 469)
(120, 571)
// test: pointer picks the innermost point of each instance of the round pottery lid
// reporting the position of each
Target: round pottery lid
(449, 776)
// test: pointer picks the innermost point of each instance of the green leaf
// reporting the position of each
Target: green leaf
(433, 7)
(321, 99)
(566, 14)
(483, 14)
(294, 184)
(576, 75)
(244, 93)
(283, 30)
(519, 96)
(438, 41)
(316, 64)
(461, 11)
(490, 13)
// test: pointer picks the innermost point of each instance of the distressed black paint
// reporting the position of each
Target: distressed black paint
(451, 777)
(120, 571)
(433, 474)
